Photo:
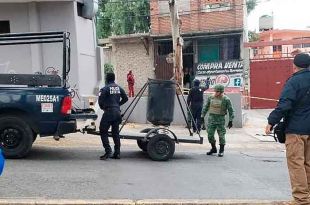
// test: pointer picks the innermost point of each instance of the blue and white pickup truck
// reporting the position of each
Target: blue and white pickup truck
(36, 104)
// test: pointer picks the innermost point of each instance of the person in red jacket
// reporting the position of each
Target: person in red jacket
(131, 83)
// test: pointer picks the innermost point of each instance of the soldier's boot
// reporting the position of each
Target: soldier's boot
(221, 152)
(203, 127)
(213, 150)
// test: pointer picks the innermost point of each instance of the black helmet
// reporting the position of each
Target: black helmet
(302, 60)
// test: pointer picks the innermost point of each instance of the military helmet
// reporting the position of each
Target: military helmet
(219, 88)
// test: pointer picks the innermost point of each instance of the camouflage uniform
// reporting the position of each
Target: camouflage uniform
(217, 108)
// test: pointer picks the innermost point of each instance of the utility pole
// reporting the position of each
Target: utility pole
(177, 42)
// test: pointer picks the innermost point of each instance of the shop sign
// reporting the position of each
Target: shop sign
(220, 67)
(227, 73)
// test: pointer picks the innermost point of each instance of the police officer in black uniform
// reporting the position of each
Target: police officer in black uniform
(195, 103)
(111, 97)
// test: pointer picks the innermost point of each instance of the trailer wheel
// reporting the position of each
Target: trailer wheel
(16, 136)
(161, 147)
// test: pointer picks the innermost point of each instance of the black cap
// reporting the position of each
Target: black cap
(196, 82)
(110, 77)
(302, 60)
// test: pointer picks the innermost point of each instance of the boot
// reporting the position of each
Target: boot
(221, 152)
(212, 150)
(116, 155)
(106, 156)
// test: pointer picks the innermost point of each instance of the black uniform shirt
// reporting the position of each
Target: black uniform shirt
(112, 96)
(195, 97)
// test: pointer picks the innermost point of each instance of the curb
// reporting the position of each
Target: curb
(138, 202)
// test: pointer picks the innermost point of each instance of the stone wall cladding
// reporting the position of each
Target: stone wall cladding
(132, 56)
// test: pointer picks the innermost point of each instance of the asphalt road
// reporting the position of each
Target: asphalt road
(253, 167)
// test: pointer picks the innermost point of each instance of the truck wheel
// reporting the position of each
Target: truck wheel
(142, 145)
(161, 147)
(16, 137)
(34, 137)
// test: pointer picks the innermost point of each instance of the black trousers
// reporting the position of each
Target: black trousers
(196, 112)
(110, 118)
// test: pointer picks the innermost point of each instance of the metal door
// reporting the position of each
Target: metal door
(267, 78)
(163, 69)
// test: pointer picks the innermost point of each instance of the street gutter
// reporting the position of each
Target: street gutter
(138, 202)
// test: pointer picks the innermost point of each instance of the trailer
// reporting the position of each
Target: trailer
(158, 141)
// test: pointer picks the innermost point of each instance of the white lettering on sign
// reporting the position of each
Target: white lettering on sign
(47, 98)
(114, 90)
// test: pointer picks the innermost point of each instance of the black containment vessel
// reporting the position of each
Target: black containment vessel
(160, 104)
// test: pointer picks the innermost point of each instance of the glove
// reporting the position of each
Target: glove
(229, 124)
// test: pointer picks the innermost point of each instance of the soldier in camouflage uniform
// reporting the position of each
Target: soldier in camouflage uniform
(217, 106)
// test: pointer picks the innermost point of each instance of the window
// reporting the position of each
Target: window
(255, 52)
(183, 6)
(216, 6)
(219, 49)
(164, 48)
(297, 46)
(188, 47)
(79, 9)
(277, 48)
(306, 45)
(230, 48)
(5, 27)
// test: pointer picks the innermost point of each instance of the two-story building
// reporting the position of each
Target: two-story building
(213, 33)
(280, 43)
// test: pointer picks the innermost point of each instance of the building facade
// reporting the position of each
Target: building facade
(133, 52)
(213, 32)
(74, 16)
(280, 43)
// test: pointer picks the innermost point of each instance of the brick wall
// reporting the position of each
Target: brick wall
(198, 20)
(132, 55)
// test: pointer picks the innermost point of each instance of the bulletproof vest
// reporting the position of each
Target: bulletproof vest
(111, 96)
(216, 106)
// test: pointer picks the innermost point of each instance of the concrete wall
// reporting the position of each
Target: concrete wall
(52, 16)
(17, 14)
(88, 70)
(139, 113)
(132, 55)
